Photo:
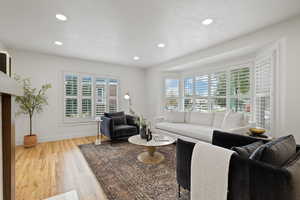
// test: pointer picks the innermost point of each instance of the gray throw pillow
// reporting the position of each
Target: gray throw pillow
(246, 151)
(276, 152)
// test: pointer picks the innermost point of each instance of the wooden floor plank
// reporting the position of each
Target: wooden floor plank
(54, 168)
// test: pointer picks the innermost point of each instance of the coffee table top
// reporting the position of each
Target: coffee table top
(157, 140)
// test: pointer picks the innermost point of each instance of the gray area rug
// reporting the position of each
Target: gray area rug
(123, 177)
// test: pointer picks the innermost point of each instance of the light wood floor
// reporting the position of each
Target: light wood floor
(53, 168)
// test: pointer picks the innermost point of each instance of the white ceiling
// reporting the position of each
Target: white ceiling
(116, 30)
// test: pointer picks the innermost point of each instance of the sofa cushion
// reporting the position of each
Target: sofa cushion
(200, 118)
(195, 131)
(124, 130)
(218, 119)
(175, 117)
(246, 151)
(232, 120)
(119, 120)
(276, 152)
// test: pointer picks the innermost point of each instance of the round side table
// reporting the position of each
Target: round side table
(151, 156)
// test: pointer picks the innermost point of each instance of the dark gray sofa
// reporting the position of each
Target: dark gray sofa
(248, 179)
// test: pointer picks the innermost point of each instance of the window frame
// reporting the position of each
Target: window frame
(177, 98)
(80, 75)
(227, 69)
(251, 89)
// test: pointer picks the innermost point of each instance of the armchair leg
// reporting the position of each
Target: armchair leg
(179, 195)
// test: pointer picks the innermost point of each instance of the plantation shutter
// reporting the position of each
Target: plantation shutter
(240, 82)
(188, 87)
(101, 97)
(263, 87)
(86, 91)
(172, 94)
(113, 95)
(218, 91)
(201, 93)
(71, 96)
(188, 94)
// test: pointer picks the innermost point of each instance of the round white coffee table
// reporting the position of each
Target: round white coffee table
(151, 156)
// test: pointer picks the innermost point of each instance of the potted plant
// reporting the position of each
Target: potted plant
(145, 127)
(30, 103)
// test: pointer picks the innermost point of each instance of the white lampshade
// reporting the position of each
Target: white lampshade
(126, 96)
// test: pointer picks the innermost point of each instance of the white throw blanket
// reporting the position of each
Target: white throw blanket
(209, 172)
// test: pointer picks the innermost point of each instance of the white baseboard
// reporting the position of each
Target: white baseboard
(20, 141)
(72, 195)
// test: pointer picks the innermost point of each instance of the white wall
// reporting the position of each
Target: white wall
(2, 48)
(288, 31)
(1, 157)
(43, 68)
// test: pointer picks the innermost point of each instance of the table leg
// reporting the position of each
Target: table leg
(151, 156)
(98, 140)
(99, 135)
(151, 151)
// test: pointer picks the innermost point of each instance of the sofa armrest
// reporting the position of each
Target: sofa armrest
(107, 126)
(250, 179)
(229, 140)
(184, 151)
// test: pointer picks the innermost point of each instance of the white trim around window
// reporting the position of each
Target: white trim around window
(83, 96)
(216, 85)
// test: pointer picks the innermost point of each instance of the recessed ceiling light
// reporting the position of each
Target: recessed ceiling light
(161, 45)
(58, 43)
(136, 58)
(207, 21)
(61, 17)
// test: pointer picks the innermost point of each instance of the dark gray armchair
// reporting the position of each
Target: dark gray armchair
(118, 125)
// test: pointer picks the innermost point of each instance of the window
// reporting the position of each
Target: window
(171, 94)
(263, 87)
(86, 106)
(113, 96)
(71, 96)
(219, 91)
(188, 93)
(244, 88)
(240, 97)
(201, 93)
(205, 93)
(100, 102)
(87, 96)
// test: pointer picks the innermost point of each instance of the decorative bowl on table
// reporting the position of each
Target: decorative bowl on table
(257, 131)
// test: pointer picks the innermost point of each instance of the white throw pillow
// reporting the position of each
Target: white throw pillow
(200, 118)
(175, 117)
(232, 120)
(218, 119)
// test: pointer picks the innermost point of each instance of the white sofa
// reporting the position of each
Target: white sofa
(198, 126)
